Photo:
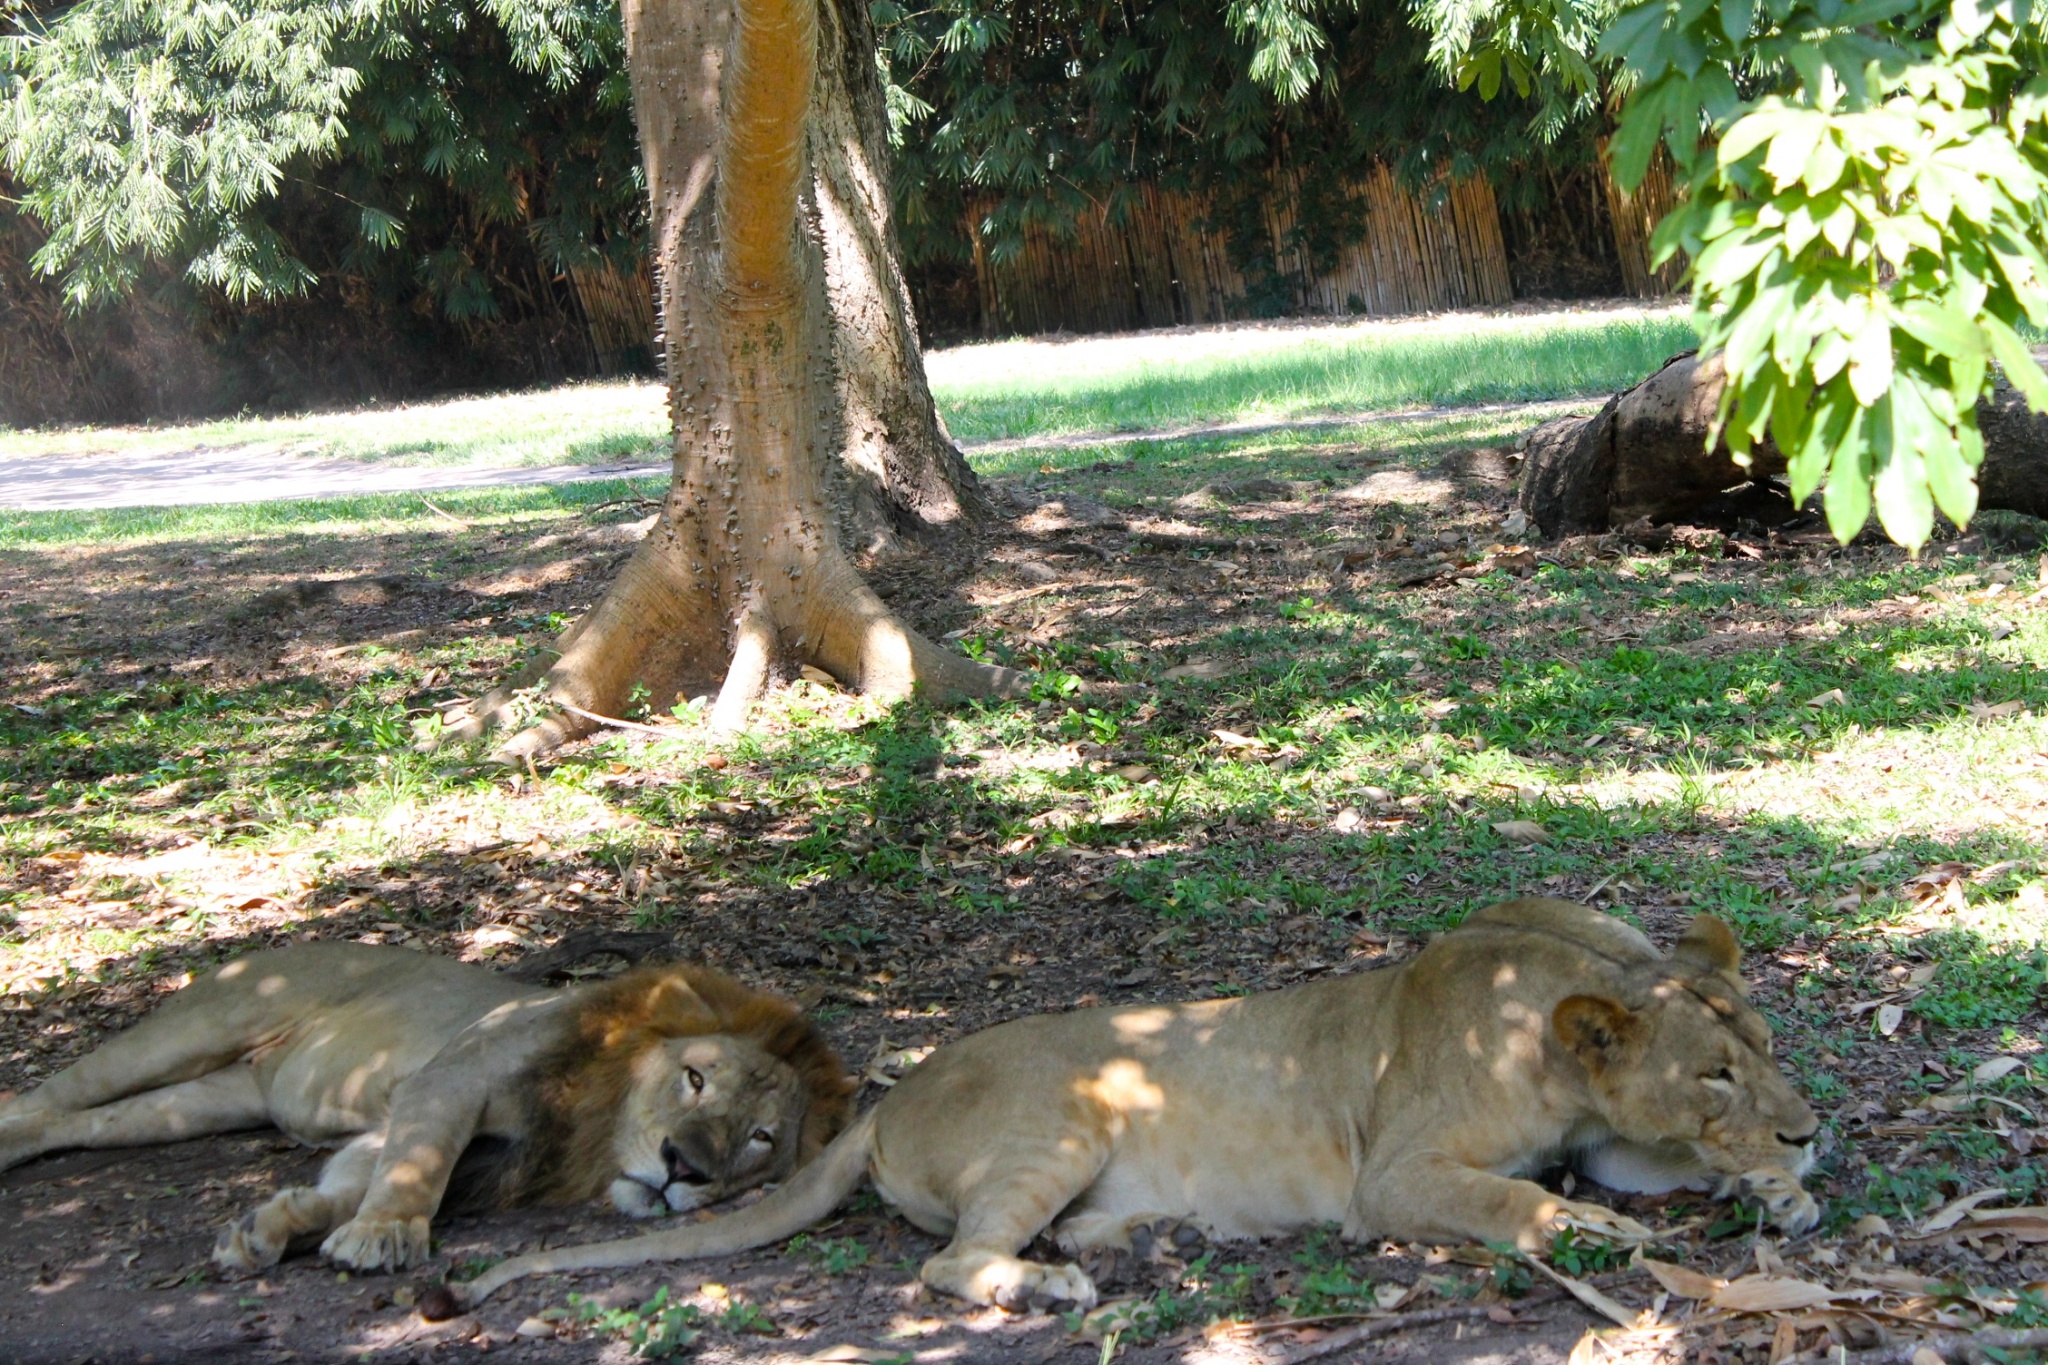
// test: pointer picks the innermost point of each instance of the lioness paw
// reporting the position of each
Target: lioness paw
(1599, 1221)
(1790, 1207)
(1009, 1282)
(375, 1243)
(242, 1249)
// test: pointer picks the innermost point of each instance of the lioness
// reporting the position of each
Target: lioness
(1407, 1103)
(669, 1087)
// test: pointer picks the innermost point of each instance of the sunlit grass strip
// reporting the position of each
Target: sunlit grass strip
(377, 513)
(1492, 360)
(567, 424)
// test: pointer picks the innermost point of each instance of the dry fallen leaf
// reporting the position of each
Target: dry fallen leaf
(1390, 1296)
(1522, 831)
(1770, 1294)
(2028, 1224)
(1682, 1281)
(1953, 1212)
(1196, 668)
(1834, 696)
(1987, 1072)
(1995, 711)
(1230, 739)
(1889, 1017)
(1591, 1297)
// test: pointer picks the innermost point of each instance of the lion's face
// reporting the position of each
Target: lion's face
(1691, 1063)
(705, 1118)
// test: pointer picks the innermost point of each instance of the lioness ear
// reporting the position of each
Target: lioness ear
(1710, 945)
(1596, 1029)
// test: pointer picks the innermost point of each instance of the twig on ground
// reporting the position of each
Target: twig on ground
(615, 722)
(1175, 540)
(1947, 1346)
(580, 945)
(1366, 1331)
(443, 514)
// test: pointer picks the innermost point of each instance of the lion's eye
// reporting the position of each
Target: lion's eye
(694, 1077)
(1724, 1074)
(762, 1135)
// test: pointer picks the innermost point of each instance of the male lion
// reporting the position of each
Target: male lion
(669, 1087)
(1407, 1103)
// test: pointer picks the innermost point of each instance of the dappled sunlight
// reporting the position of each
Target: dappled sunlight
(1285, 739)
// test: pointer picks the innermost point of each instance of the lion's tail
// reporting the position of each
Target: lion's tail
(798, 1202)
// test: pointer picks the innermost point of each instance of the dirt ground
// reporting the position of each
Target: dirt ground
(105, 1253)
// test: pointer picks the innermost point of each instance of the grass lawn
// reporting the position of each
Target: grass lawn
(1240, 769)
(998, 391)
(1012, 389)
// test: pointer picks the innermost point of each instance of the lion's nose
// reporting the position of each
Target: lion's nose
(679, 1166)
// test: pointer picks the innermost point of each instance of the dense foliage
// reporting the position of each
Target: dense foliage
(241, 138)
(1023, 113)
(1868, 213)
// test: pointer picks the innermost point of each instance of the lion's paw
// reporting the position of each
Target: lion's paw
(1009, 1282)
(376, 1243)
(242, 1249)
(1065, 1286)
(1790, 1207)
(1600, 1221)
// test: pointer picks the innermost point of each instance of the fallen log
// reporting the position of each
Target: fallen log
(1644, 454)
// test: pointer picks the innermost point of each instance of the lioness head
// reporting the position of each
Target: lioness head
(1685, 1059)
(705, 1118)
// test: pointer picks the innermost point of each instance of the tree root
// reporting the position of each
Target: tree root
(650, 636)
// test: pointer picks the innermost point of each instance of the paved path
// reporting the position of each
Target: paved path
(48, 483)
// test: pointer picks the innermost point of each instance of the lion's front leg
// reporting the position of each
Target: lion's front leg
(1432, 1198)
(300, 1214)
(427, 1132)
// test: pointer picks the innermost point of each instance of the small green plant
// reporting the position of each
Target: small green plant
(1053, 685)
(1204, 1294)
(655, 1330)
(1511, 1274)
(742, 1317)
(832, 1255)
(1576, 1253)
(2031, 1312)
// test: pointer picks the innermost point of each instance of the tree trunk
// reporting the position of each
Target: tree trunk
(796, 386)
(1644, 455)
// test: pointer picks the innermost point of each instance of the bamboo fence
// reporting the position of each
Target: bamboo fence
(618, 310)
(1635, 218)
(1158, 267)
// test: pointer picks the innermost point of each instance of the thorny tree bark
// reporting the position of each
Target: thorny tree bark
(795, 383)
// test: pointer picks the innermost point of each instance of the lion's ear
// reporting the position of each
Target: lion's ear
(1709, 945)
(1597, 1030)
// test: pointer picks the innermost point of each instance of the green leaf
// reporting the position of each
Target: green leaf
(2018, 362)
(1900, 492)
(1941, 330)
(1870, 360)
(1738, 17)
(1847, 500)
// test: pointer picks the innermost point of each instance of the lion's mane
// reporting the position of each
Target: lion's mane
(577, 1088)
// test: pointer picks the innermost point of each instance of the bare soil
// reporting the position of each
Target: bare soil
(106, 1252)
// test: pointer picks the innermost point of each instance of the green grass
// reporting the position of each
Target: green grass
(994, 392)
(1782, 743)
(1030, 389)
(370, 514)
